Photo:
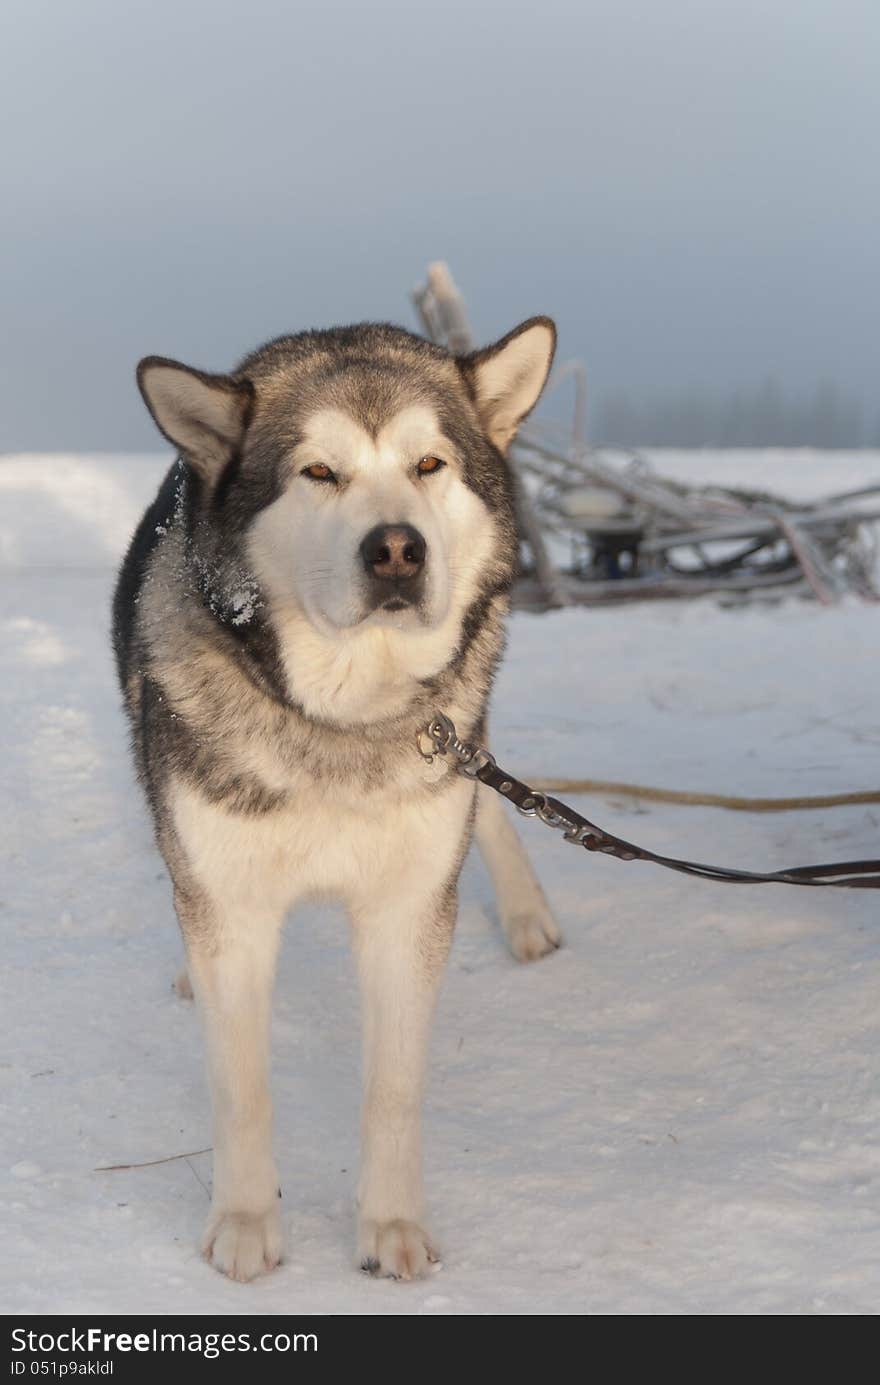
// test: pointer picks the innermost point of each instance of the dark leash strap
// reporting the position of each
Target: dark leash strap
(474, 762)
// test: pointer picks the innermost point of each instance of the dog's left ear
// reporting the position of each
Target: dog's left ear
(507, 379)
(205, 416)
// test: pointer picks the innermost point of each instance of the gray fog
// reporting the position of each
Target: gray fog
(690, 187)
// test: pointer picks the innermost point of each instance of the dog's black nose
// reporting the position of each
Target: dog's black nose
(395, 552)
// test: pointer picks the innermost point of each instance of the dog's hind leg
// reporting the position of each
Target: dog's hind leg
(232, 966)
(401, 943)
(529, 926)
(182, 986)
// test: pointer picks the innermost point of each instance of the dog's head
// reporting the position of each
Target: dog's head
(360, 473)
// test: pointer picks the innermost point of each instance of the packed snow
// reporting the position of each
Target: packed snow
(678, 1113)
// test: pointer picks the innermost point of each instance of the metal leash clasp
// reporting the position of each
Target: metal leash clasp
(438, 734)
(443, 739)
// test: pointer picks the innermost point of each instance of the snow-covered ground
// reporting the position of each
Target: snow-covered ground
(678, 1113)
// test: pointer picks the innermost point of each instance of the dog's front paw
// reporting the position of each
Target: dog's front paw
(532, 934)
(243, 1244)
(395, 1250)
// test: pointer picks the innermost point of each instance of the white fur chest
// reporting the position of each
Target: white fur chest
(327, 841)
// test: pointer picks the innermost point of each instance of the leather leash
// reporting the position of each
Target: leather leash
(475, 762)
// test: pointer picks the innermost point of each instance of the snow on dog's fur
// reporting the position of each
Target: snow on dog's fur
(327, 563)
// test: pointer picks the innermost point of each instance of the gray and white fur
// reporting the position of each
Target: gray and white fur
(326, 564)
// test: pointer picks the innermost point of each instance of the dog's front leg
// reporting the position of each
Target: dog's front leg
(401, 945)
(232, 966)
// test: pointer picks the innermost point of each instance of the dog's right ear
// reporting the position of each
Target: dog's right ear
(506, 379)
(205, 416)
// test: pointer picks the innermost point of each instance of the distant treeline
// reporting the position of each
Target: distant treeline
(765, 416)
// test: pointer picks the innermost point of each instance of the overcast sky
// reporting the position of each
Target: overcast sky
(689, 186)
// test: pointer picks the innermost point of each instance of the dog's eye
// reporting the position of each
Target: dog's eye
(429, 464)
(319, 472)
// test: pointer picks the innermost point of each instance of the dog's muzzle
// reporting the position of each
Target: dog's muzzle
(394, 557)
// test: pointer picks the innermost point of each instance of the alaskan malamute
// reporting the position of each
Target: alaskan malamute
(326, 564)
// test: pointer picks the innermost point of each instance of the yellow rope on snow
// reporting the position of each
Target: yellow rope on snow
(707, 800)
